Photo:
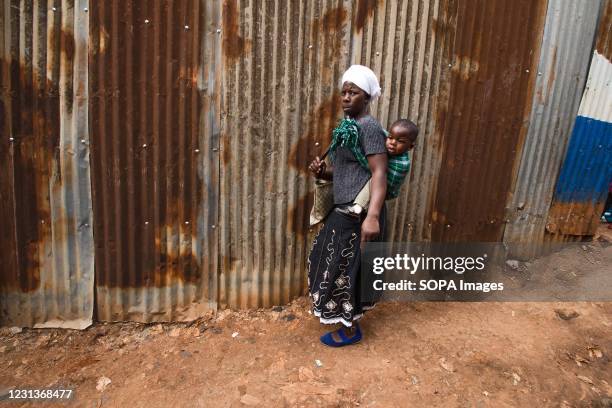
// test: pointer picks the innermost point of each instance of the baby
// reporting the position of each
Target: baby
(400, 140)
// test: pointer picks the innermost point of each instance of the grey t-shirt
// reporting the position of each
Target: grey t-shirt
(349, 176)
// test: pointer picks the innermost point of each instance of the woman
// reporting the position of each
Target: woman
(334, 262)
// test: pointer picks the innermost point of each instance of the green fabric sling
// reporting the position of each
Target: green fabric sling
(346, 134)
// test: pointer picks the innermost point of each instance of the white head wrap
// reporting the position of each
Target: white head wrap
(364, 78)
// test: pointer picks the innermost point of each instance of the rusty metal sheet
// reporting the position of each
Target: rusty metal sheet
(493, 66)
(201, 117)
(154, 128)
(603, 42)
(580, 192)
(404, 42)
(562, 71)
(282, 61)
(46, 245)
(281, 69)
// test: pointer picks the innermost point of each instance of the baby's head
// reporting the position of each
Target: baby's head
(402, 136)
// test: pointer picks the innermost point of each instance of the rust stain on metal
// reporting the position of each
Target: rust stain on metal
(551, 74)
(439, 26)
(332, 20)
(574, 218)
(492, 67)
(550, 81)
(365, 10)
(233, 44)
(165, 268)
(226, 149)
(228, 262)
(145, 113)
(327, 33)
(67, 46)
(603, 43)
(298, 216)
(34, 107)
(465, 67)
(8, 248)
(319, 126)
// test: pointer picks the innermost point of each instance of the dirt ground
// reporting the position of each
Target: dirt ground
(426, 354)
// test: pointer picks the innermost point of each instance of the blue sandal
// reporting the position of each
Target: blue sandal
(328, 340)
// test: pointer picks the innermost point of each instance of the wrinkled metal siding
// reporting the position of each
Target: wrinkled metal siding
(437, 61)
(494, 56)
(603, 42)
(201, 194)
(581, 190)
(46, 244)
(406, 43)
(582, 187)
(562, 70)
(282, 61)
(282, 65)
(153, 123)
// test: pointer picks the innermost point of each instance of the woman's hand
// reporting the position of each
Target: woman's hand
(370, 229)
(317, 167)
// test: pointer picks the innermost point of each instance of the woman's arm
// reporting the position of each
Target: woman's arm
(378, 190)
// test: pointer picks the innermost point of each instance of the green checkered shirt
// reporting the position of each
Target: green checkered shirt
(346, 134)
(397, 170)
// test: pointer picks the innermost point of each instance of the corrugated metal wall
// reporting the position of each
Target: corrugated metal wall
(603, 42)
(408, 43)
(494, 55)
(46, 244)
(438, 64)
(562, 71)
(155, 161)
(582, 187)
(282, 61)
(282, 65)
(203, 116)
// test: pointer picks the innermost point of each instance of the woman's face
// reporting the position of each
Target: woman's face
(354, 99)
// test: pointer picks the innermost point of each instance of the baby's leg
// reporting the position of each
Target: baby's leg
(363, 198)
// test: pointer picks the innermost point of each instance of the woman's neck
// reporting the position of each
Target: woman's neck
(359, 115)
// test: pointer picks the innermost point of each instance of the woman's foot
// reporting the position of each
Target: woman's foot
(344, 336)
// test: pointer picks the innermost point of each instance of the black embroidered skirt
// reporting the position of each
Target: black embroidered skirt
(334, 270)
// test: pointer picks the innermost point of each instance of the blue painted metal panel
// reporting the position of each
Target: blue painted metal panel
(562, 72)
(582, 186)
(587, 169)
